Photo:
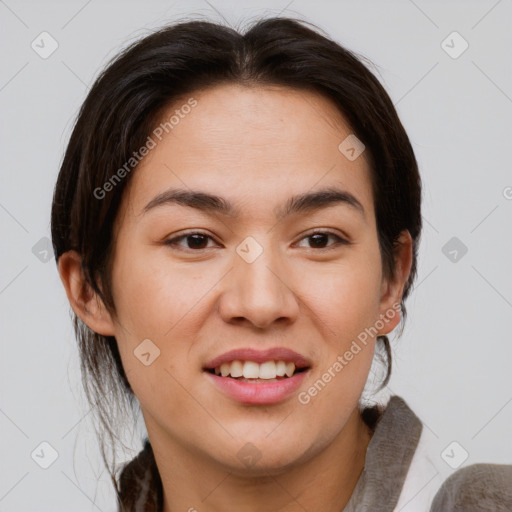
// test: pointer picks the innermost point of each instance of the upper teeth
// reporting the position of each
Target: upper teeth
(252, 370)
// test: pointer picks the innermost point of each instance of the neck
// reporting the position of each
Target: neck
(324, 482)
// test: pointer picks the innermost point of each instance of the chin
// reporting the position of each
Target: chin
(264, 456)
(265, 464)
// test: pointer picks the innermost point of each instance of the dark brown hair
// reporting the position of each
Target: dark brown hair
(127, 101)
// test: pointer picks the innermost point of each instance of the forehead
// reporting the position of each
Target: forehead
(251, 145)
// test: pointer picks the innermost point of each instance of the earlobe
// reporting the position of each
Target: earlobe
(392, 290)
(82, 298)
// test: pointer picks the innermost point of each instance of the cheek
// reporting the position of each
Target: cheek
(151, 304)
(151, 293)
(346, 294)
(345, 302)
(157, 300)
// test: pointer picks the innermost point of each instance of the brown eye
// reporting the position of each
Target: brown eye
(194, 241)
(319, 240)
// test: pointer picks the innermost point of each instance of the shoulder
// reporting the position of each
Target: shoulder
(432, 486)
(476, 488)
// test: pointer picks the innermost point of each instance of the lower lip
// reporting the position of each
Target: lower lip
(258, 393)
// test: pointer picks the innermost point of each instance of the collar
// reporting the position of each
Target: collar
(387, 460)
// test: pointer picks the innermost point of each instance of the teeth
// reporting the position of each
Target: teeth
(290, 368)
(267, 370)
(251, 370)
(237, 369)
(224, 369)
(280, 368)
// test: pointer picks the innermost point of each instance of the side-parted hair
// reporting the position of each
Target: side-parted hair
(126, 103)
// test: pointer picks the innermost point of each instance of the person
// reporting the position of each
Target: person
(236, 224)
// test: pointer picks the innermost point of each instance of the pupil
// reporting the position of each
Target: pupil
(316, 238)
(197, 241)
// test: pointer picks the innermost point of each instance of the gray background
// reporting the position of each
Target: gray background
(452, 365)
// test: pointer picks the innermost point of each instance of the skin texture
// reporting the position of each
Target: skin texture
(257, 147)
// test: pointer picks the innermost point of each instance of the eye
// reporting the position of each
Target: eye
(194, 241)
(319, 238)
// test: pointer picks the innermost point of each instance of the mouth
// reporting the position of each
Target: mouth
(256, 377)
(253, 372)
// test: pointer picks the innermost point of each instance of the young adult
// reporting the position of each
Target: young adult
(236, 223)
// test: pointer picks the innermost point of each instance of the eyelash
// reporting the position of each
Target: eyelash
(174, 241)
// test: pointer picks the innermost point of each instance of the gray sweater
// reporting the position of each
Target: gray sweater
(404, 472)
(401, 474)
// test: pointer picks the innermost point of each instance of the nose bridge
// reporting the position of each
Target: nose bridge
(257, 289)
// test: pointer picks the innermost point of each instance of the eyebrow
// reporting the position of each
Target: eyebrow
(301, 203)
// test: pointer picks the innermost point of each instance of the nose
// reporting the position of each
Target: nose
(258, 293)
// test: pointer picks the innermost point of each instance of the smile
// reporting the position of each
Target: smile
(250, 371)
(258, 377)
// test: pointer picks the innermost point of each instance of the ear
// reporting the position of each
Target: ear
(83, 299)
(392, 289)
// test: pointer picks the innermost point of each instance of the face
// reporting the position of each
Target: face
(271, 278)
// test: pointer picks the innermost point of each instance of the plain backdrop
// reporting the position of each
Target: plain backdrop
(453, 363)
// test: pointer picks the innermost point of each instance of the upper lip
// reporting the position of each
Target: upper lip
(259, 356)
